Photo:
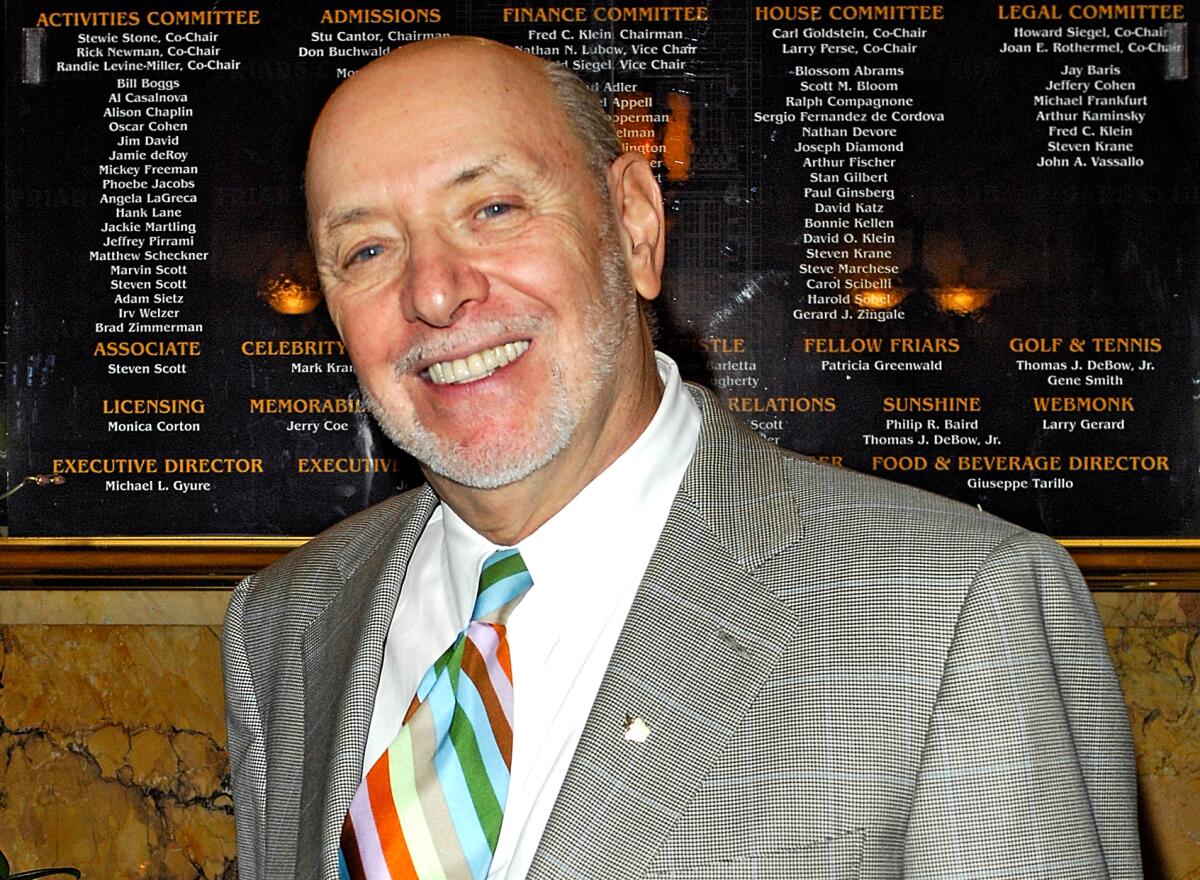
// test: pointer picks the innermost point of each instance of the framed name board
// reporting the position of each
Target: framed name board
(955, 245)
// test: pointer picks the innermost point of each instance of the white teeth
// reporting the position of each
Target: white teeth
(477, 365)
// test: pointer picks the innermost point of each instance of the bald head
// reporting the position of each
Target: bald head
(451, 64)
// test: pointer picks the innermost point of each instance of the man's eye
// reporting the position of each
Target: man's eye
(363, 255)
(496, 209)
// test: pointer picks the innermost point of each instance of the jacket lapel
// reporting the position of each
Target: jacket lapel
(343, 655)
(700, 640)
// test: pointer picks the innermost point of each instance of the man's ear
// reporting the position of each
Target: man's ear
(638, 203)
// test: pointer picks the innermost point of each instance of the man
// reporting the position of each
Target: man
(733, 662)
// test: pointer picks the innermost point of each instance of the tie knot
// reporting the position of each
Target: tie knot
(502, 583)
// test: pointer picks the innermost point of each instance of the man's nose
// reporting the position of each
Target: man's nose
(439, 280)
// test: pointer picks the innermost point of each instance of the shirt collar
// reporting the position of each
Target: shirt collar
(625, 506)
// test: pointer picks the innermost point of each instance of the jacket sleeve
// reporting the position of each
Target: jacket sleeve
(1028, 767)
(247, 755)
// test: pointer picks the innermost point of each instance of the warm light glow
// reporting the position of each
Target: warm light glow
(962, 300)
(669, 143)
(880, 300)
(288, 296)
(677, 137)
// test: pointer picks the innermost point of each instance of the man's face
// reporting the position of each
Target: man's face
(470, 265)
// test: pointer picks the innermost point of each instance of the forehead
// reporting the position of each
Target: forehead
(438, 118)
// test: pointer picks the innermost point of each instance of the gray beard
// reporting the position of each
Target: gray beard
(610, 320)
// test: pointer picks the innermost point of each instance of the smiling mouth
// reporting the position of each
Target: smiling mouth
(477, 366)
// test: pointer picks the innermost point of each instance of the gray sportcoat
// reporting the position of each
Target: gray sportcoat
(843, 677)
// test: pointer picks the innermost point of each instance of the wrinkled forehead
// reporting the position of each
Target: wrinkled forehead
(452, 83)
(425, 105)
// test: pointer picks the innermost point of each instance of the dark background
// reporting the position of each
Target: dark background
(1069, 252)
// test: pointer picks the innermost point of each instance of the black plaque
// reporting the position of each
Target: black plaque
(954, 245)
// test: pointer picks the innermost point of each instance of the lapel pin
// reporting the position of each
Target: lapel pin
(636, 729)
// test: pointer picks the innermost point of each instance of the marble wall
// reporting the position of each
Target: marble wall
(1154, 639)
(112, 735)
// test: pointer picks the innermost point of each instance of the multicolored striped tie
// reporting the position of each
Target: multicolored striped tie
(432, 805)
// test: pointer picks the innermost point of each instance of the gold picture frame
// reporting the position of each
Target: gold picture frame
(1109, 564)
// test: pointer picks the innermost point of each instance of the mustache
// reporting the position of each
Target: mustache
(446, 344)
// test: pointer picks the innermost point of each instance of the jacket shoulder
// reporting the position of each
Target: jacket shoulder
(835, 494)
(873, 531)
(756, 494)
(305, 579)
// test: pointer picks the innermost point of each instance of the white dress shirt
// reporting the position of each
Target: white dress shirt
(586, 563)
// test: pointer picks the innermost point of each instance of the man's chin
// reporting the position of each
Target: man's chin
(481, 477)
(491, 462)
(486, 466)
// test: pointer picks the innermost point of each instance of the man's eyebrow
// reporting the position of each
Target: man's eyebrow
(494, 166)
(491, 166)
(346, 217)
